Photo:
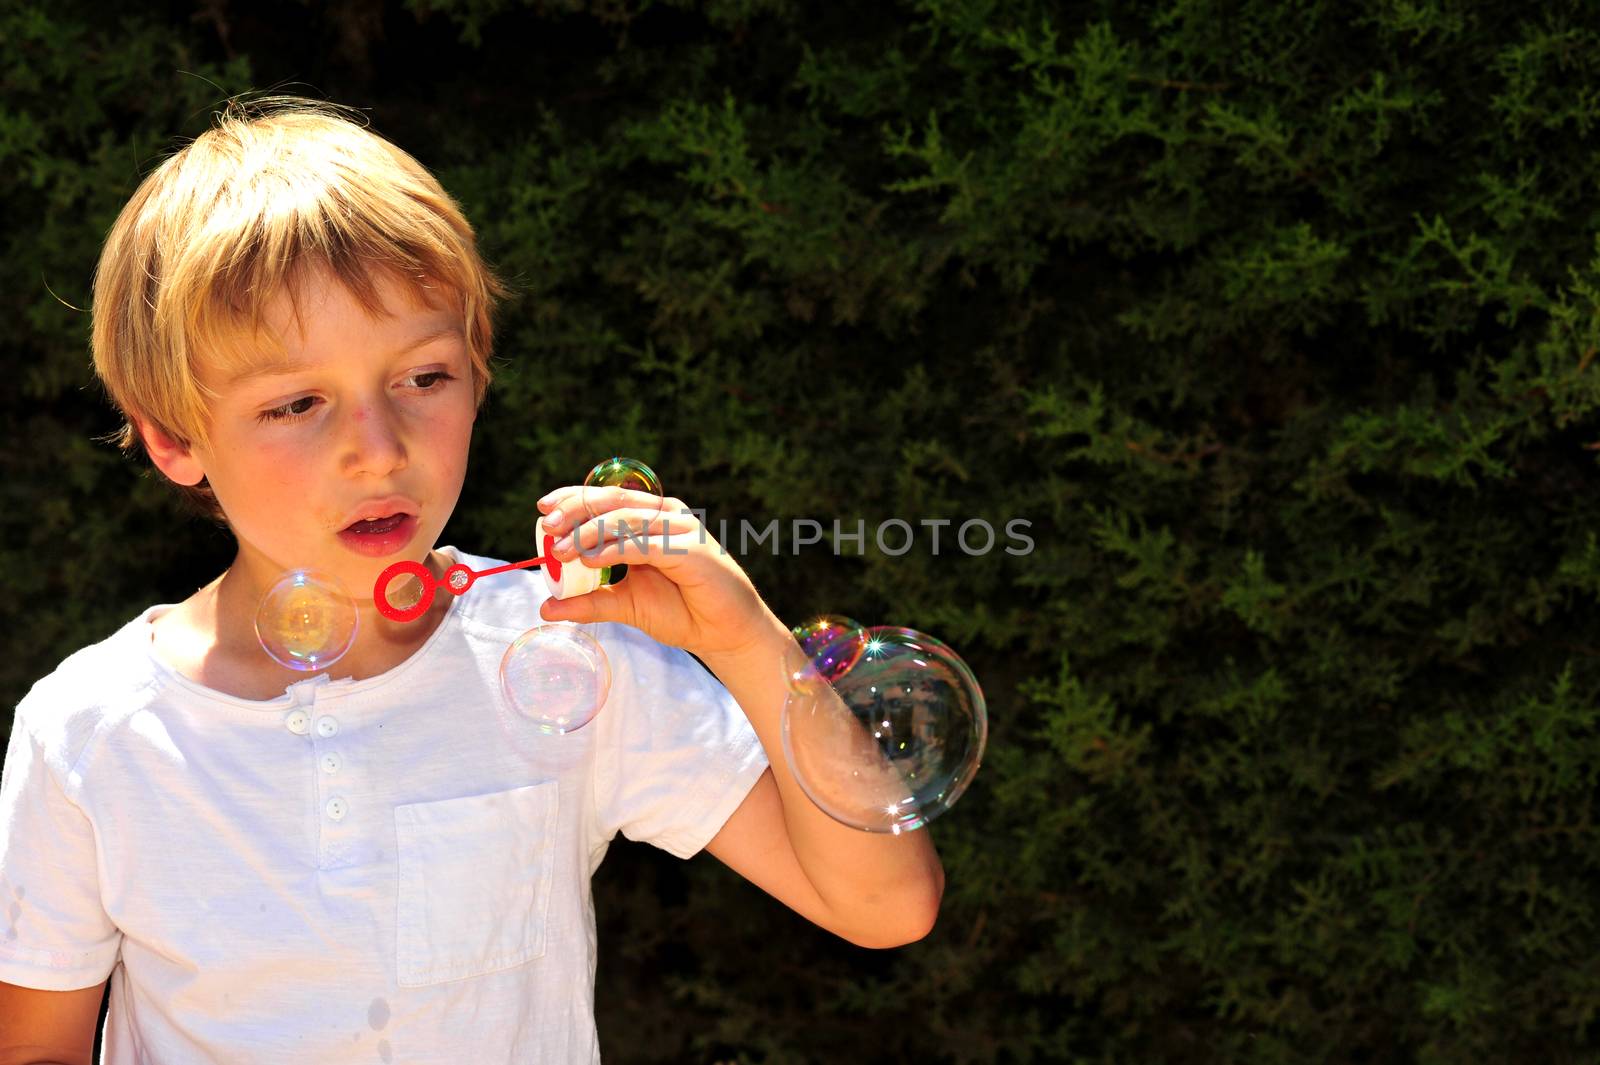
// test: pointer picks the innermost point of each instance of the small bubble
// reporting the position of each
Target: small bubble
(555, 677)
(832, 643)
(378, 1014)
(306, 620)
(630, 474)
(384, 1052)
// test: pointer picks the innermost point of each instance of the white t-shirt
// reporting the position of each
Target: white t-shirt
(387, 870)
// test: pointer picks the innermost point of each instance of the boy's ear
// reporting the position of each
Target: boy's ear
(171, 456)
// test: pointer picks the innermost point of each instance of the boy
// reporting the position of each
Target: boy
(271, 867)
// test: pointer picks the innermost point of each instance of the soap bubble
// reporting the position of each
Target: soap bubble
(832, 643)
(555, 677)
(892, 742)
(624, 473)
(306, 620)
(618, 472)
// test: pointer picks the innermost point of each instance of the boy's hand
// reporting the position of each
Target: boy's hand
(682, 588)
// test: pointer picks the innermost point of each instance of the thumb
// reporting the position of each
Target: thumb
(603, 604)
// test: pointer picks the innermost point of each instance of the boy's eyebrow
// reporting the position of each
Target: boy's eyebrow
(278, 369)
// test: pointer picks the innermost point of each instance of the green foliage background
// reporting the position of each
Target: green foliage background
(1278, 321)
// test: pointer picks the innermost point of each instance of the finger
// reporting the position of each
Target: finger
(560, 510)
(624, 552)
(598, 499)
(549, 504)
(646, 532)
(581, 609)
(570, 508)
(635, 534)
(551, 499)
(629, 553)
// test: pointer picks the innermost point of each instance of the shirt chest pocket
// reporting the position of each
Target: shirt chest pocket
(474, 883)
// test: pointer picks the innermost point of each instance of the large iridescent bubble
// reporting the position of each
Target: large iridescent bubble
(554, 677)
(306, 620)
(893, 741)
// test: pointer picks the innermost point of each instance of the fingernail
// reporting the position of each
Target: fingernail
(563, 545)
(556, 520)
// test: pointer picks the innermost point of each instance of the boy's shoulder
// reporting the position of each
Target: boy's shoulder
(103, 681)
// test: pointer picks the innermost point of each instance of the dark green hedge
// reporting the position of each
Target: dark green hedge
(1277, 320)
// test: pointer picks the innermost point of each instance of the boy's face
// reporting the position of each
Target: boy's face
(350, 453)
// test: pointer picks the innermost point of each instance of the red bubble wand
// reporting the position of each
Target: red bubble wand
(457, 579)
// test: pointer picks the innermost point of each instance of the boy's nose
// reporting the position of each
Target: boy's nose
(374, 443)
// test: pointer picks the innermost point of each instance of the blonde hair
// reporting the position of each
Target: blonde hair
(278, 189)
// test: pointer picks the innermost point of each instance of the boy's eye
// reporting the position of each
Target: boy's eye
(430, 379)
(295, 408)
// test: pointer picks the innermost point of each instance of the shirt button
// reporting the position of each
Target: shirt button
(336, 809)
(297, 722)
(331, 762)
(327, 726)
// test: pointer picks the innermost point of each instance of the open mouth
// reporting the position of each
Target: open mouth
(379, 536)
(371, 526)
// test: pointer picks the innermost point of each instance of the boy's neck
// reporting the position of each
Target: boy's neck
(211, 639)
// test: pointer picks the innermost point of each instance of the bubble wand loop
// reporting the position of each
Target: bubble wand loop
(456, 580)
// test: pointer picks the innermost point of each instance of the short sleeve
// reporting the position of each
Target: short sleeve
(676, 754)
(54, 932)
